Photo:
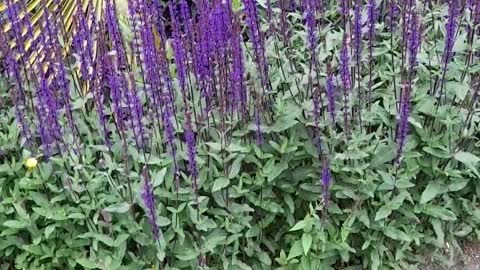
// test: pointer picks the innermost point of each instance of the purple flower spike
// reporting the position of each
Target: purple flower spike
(330, 89)
(357, 32)
(402, 129)
(413, 41)
(394, 11)
(450, 29)
(346, 81)
(256, 36)
(150, 205)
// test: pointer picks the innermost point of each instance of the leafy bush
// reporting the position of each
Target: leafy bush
(240, 144)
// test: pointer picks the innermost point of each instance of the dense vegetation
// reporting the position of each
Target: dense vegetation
(238, 134)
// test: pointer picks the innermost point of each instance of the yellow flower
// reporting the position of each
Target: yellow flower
(31, 163)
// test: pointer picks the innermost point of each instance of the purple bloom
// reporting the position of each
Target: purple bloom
(402, 128)
(311, 26)
(19, 99)
(450, 29)
(82, 41)
(371, 19)
(345, 65)
(256, 37)
(179, 51)
(136, 113)
(114, 31)
(394, 11)
(330, 89)
(346, 82)
(150, 204)
(413, 41)
(47, 114)
(357, 31)
(61, 79)
(111, 69)
(344, 9)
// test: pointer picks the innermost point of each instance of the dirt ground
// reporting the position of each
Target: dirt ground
(466, 259)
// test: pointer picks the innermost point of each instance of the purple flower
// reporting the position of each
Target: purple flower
(179, 51)
(394, 11)
(110, 71)
(114, 32)
(149, 201)
(450, 29)
(402, 128)
(47, 114)
(371, 19)
(256, 37)
(311, 26)
(82, 41)
(413, 41)
(330, 89)
(346, 82)
(19, 99)
(58, 65)
(136, 113)
(343, 5)
(357, 31)
(345, 65)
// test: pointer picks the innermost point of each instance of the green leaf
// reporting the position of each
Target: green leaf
(118, 208)
(296, 250)
(383, 154)
(235, 168)
(100, 237)
(220, 183)
(306, 242)
(159, 177)
(185, 254)
(49, 229)
(15, 224)
(300, 225)
(383, 212)
(469, 159)
(395, 234)
(439, 212)
(458, 184)
(88, 264)
(431, 191)
(375, 259)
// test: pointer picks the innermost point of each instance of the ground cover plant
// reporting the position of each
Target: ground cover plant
(237, 134)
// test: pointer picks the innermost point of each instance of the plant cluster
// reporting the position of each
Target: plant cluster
(238, 134)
